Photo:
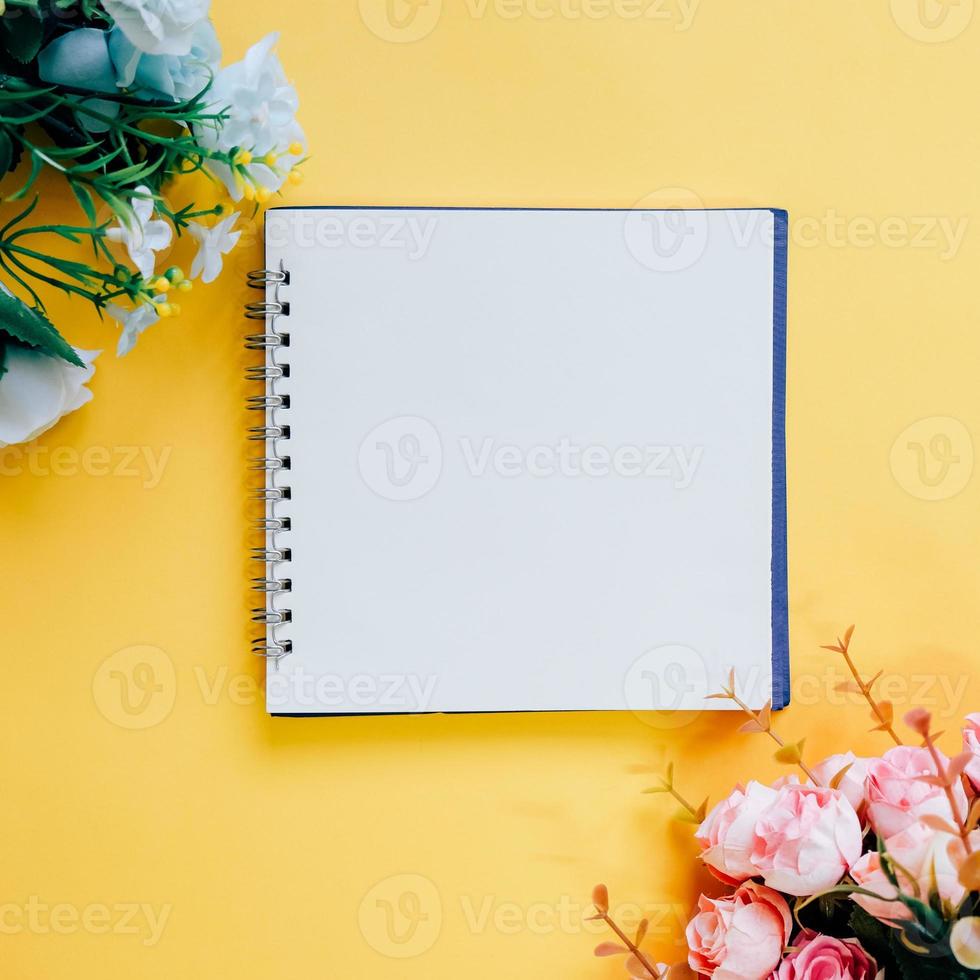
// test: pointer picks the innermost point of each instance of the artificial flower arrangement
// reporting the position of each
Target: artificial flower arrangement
(123, 100)
(856, 869)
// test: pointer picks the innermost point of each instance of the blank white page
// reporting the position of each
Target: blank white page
(532, 458)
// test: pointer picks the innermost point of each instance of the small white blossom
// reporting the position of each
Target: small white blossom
(261, 118)
(158, 26)
(144, 237)
(212, 243)
(38, 389)
(134, 322)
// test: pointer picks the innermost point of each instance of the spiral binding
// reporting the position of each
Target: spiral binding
(273, 556)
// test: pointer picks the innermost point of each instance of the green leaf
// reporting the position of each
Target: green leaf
(6, 152)
(912, 966)
(873, 935)
(33, 328)
(23, 34)
(85, 200)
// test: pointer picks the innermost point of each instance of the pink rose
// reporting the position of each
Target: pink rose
(819, 957)
(971, 743)
(740, 937)
(852, 785)
(727, 835)
(806, 839)
(897, 798)
(925, 859)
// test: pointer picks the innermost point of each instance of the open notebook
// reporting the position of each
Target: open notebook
(521, 459)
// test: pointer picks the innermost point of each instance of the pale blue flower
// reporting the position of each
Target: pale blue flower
(107, 62)
(166, 76)
(80, 59)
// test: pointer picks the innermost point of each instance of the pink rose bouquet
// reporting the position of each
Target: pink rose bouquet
(857, 869)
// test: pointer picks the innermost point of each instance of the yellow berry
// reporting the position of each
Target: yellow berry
(248, 192)
(296, 149)
(243, 158)
(175, 274)
(262, 194)
(185, 285)
(296, 176)
(164, 310)
(271, 158)
(162, 284)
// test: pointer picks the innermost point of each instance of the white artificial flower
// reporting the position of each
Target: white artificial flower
(212, 243)
(260, 105)
(144, 237)
(133, 321)
(38, 389)
(158, 26)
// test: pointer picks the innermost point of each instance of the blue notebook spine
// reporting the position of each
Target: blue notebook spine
(780, 582)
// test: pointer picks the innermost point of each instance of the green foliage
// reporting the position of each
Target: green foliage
(873, 935)
(33, 329)
(22, 35)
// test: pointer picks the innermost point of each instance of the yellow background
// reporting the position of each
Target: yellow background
(264, 838)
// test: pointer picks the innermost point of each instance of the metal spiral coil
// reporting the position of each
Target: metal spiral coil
(272, 617)
(261, 278)
(264, 372)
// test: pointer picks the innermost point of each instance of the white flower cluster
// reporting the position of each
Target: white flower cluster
(261, 123)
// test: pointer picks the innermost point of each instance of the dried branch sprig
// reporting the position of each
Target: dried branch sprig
(687, 813)
(881, 711)
(761, 722)
(947, 776)
(600, 899)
